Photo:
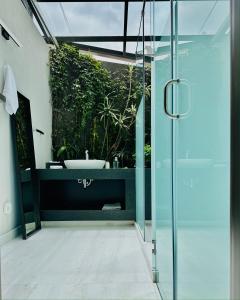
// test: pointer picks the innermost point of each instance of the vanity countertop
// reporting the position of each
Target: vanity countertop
(68, 174)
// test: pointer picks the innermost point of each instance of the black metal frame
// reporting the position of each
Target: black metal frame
(116, 38)
(235, 149)
(25, 217)
(98, 0)
(109, 52)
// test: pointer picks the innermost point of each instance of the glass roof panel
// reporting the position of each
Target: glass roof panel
(131, 47)
(53, 17)
(84, 18)
(147, 19)
(162, 18)
(118, 46)
(134, 17)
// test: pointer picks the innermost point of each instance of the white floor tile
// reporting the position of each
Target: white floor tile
(85, 263)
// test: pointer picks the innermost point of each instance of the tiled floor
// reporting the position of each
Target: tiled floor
(81, 262)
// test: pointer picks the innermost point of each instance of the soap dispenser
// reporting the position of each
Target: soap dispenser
(115, 163)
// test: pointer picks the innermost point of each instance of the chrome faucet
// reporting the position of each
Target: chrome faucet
(85, 182)
(86, 155)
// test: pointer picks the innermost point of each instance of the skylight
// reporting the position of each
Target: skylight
(115, 25)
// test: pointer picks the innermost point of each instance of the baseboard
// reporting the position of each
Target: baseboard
(88, 215)
(47, 224)
(12, 234)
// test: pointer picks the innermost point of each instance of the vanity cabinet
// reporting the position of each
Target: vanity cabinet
(63, 196)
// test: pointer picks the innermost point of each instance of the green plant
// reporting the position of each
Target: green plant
(108, 115)
(147, 153)
(94, 107)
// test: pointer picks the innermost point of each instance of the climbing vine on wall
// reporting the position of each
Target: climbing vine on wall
(94, 107)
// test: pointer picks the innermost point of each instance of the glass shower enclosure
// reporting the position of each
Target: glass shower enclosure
(140, 134)
(191, 149)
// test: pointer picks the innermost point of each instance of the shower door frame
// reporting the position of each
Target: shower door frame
(235, 149)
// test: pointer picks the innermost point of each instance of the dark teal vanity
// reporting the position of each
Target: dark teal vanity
(64, 197)
(68, 194)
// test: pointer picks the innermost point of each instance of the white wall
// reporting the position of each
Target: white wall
(30, 65)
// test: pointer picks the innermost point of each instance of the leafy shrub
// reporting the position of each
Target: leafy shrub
(93, 108)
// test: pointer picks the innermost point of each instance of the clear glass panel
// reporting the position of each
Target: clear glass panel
(134, 17)
(140, 168)
(162, 152)
(85, 18)
(147, 19)
(147, 29)
(202, 150)
(131, 47)
(118, 46)
(140, 141)
(54, 18)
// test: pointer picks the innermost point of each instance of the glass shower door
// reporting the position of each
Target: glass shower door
(191, 149)
(162, 151)
(201, 154)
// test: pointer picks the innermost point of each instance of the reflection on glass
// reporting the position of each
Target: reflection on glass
(24, 149)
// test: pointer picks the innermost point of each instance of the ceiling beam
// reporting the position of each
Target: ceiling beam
(105, 38)
(125, 27)
(105, 51)
(131, 38)
(96, 0)
(109, 52)
(89, 1)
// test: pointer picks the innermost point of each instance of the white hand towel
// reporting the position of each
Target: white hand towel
(10, 91)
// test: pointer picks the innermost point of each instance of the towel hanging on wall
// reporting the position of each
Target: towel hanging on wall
(10, 91)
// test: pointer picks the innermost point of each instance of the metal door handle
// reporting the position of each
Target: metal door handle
(169, 83)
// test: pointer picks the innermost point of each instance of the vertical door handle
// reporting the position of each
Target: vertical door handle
(169, 83)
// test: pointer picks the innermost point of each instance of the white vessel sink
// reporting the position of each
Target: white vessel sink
(84, 164)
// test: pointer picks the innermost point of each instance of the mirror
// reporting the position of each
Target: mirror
(25, 148)
(25, 166)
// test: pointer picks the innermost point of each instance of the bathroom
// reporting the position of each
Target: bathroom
(119, 155)
(49, 193)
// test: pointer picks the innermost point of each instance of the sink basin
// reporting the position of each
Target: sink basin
(84, 164)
